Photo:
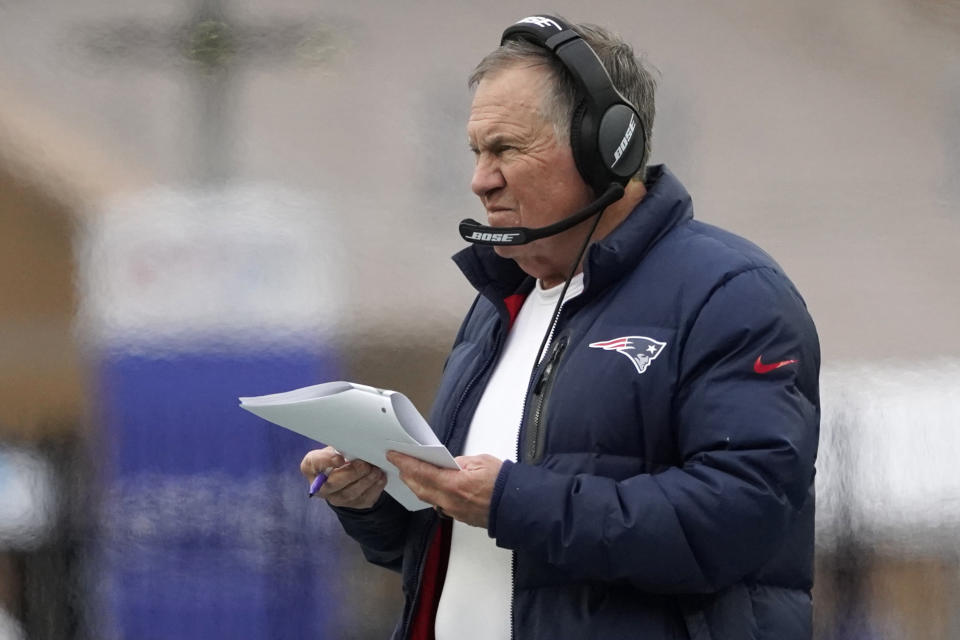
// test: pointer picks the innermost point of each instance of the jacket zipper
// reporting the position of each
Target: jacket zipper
(546, 372)
(432, 530)
(541, 392)
(472, 382)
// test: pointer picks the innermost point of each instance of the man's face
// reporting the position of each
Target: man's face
(524, 176)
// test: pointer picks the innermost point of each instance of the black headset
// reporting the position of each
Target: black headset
(606, 133)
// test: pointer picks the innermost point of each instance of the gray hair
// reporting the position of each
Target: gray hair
(627, 71)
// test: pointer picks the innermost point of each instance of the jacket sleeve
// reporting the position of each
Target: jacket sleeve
(747, 440)
(381, 530)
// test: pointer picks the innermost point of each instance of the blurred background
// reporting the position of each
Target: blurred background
(205, 199)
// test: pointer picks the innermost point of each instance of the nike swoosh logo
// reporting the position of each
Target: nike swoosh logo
(760, 367)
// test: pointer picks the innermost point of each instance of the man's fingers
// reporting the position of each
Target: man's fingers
(319, 459)
(355, 484)
(471, 463)
(360, 493)
(461, 494)
(344, 477)
(351, 491)
(427, 481)
(347, 474)
(373, 492)
(412, 469)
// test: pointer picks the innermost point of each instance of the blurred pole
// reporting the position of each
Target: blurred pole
(849, 565)
(206, 529)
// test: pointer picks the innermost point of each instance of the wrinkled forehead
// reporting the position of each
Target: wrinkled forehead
(534, 75)
(511, 97)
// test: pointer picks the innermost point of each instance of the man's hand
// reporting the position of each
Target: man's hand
(355, 484)
(464, 495)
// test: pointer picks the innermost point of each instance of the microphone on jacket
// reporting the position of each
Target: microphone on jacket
(473, 231)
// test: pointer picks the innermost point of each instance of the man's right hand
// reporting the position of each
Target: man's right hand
(355, 484)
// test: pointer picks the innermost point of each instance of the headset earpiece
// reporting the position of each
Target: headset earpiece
(619, 124)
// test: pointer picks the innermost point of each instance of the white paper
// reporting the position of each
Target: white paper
(362, 423)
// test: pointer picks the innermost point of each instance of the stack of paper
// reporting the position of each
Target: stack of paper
(362, 423)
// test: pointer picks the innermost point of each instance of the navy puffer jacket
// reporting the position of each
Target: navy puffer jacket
(663, 486)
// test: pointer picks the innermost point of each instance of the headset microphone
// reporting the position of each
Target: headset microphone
(473, 231)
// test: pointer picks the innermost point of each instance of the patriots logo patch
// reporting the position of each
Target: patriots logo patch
(640, 349)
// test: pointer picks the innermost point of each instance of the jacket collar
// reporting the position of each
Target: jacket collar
(666, 204)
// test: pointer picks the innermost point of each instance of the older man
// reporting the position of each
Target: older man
(638, 422)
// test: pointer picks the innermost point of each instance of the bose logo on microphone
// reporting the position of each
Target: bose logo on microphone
(541, 22)
(626, 140)
(493, 237)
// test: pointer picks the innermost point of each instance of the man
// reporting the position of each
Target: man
(653, 477)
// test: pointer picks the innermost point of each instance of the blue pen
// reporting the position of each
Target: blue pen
(319, 480)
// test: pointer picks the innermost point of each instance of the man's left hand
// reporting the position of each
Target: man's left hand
(463, 495)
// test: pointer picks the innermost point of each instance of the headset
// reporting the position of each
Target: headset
(607, 135)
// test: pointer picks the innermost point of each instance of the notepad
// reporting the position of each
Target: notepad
(362, 423)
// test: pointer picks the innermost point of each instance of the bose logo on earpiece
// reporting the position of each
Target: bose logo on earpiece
(540, 21)
(493, 237)
(625, 141)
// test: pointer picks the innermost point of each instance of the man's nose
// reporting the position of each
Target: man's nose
(486, 175)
